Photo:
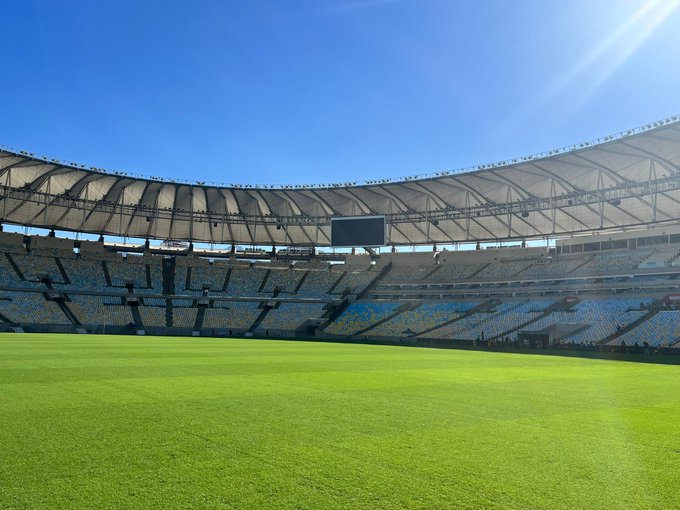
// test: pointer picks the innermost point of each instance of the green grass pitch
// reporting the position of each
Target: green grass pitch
(133, 422)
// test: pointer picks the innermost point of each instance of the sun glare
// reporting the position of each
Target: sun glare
(620, 44)
(593, 69)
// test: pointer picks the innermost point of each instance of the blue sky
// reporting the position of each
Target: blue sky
(271, 91)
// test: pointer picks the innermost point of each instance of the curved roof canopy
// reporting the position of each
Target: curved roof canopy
(627, 180)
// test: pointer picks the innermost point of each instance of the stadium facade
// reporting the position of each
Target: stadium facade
(612, 278)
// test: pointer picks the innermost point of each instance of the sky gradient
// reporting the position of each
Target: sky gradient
(264, 91)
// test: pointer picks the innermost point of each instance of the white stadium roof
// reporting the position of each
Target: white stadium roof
(623, 181)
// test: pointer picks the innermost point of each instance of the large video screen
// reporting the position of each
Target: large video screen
(358, 231)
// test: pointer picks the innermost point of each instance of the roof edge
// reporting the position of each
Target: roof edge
(589, 144)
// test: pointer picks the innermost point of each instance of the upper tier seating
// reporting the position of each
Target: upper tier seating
(449, 273)
(84, 275)
(10, 278)
(35, 267)
(245, 282)
(552, 268)
(181, 279)
(318, 284)
(354, 282)
(285, 280)
(123, 272)
(211, 277)
(614, 263)
(502, 270)
(13, 245)
(657, 259)
(408, 274)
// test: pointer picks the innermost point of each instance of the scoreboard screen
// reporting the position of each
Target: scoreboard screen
(358, 231)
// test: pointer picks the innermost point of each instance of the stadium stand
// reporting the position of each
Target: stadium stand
(455, 272)
(91, 310)
(663, 329)
(36, 268)
(125, 272)
(492, 322)
(9, 276)
(211, 277)
(318, 284)
(29, 307)
(424, 317)
(352, 282)
(283, 281)
(236, 315)
(290, 315)
(599, 281)
(615, 263)
(245, 282)
(503, 270)
(153, 316)
(411, 274)
(184, 317)
(506, 318)
(552, 268)
(593, 320)
(359, 316)
(83, 274)
(580, 299)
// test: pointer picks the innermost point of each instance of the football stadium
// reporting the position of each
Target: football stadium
(502, 336)
(191, 405)
(608, 282)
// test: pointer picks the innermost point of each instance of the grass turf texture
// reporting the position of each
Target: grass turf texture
(139, 422)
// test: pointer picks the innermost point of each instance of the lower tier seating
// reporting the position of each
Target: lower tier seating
(492, 322)
(184, 317)
(92, 310)
(290, 315)
(234, 315)
(424, 317)
(152, 316)
(359, 316)
(595, 319)
(662, 329)
(30, 308)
